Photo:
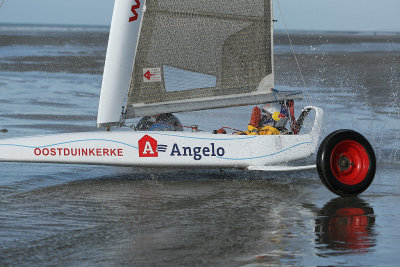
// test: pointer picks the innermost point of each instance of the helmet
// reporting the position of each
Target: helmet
(274, 115)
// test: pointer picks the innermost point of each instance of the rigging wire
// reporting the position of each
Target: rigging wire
(292, 48)
(2, 2)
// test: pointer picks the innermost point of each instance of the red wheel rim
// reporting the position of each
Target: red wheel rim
(349, 162)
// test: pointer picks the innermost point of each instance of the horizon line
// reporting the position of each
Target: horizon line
(391, 32)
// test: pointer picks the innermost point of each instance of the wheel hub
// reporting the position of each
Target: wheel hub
(349, 162)
(344, 163)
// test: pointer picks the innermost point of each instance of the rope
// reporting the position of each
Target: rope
(2, 2)
(233, 129)
(294, 53)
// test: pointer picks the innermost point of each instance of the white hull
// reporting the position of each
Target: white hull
(163, 149)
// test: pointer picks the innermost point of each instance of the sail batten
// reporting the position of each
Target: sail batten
(141, 109)
(230, 41)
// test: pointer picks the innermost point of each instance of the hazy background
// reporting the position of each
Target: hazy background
(326, 15)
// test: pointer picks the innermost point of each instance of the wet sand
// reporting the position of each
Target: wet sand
(145, 217)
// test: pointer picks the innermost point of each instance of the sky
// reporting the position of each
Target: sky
(324, 15)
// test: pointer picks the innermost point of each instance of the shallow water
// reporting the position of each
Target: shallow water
(92, 215)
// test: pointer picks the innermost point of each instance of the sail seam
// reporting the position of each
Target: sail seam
(208, 15)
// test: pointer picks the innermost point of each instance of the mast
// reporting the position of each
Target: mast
(122, 43)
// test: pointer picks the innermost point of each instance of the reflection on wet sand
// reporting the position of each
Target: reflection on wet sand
(144, 218)
(345, 226)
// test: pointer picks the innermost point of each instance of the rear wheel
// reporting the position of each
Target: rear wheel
(346, 163)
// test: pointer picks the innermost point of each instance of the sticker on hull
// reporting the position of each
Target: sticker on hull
(149, 148)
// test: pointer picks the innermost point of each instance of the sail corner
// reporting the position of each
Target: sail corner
(267, 84)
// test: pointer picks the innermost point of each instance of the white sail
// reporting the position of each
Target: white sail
(122, 43)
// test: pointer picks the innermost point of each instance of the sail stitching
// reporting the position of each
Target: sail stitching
(214, 15)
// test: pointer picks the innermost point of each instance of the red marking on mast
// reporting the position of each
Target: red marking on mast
(133, 9)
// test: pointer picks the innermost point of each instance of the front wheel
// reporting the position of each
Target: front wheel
(346, 163)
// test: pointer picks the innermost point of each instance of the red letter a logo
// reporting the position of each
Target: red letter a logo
(148, 147)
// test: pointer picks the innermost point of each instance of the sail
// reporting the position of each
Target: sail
(122, 43)
(201, 54)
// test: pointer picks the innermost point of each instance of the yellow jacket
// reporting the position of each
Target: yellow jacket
(266, 130)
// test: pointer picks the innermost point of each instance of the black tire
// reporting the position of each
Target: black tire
(346, 163)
